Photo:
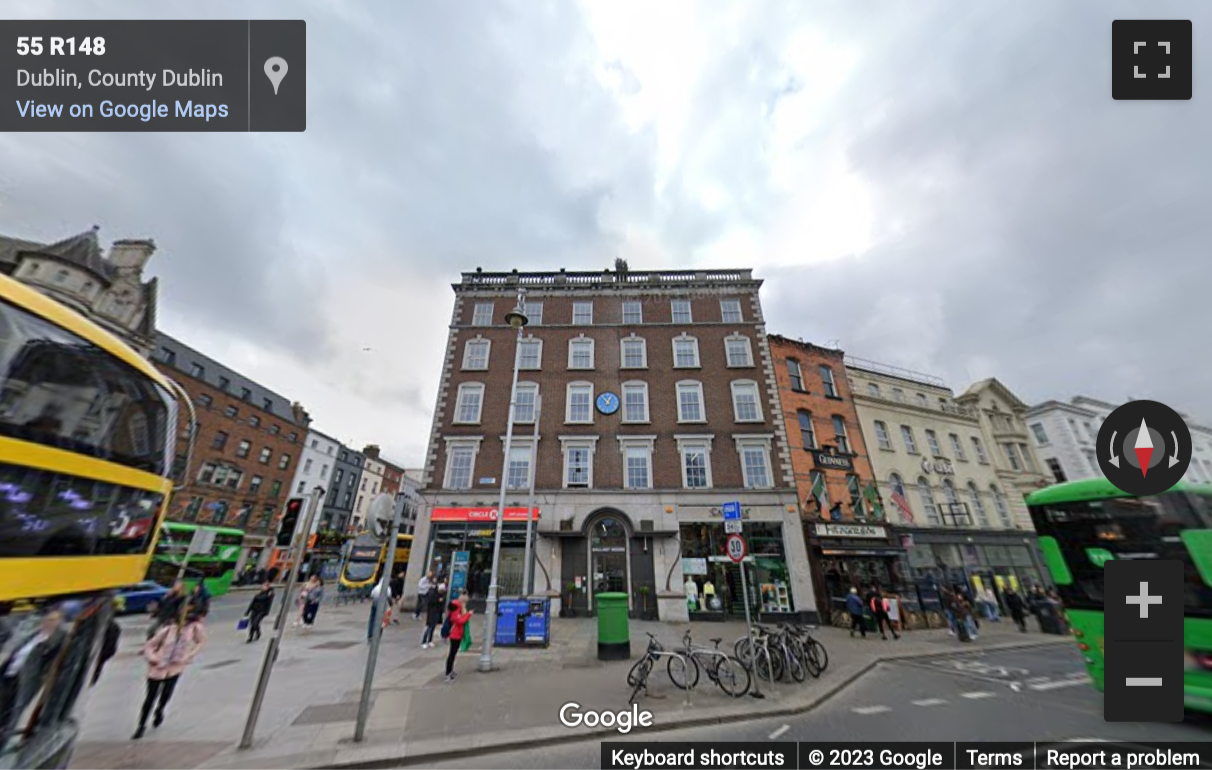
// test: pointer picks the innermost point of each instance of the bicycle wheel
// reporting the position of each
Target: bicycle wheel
(683, 675)
(642, 670)
(818, 651)
(743, 649)
(632, 677)
(762, 666)
(807, 653)
(732, 676)
(795, 666)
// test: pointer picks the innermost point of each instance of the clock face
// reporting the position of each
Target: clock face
(608, 403)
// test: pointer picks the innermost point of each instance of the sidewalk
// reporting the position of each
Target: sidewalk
(308, 719)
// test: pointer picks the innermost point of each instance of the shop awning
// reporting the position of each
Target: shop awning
(862, 551)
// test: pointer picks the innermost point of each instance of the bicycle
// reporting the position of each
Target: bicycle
(754, 654)
(726, 671)
(637, 677)
(802, 648)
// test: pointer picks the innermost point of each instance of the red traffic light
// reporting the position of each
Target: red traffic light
(294, 506)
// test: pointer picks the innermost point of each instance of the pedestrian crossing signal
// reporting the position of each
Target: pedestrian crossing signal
(290, 520)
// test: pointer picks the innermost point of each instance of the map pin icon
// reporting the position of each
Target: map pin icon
(275, 70)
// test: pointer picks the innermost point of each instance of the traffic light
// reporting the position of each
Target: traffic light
(294, 506)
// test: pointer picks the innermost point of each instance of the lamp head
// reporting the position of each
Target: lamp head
(516, 318)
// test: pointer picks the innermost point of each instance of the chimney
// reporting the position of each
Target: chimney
(300, 415)
(131, 254)
(371, 451)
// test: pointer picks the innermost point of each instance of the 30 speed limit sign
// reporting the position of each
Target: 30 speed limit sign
(735, 547)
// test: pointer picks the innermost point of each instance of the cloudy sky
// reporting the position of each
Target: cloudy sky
(946, 186)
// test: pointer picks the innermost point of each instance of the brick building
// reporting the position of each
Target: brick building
(656, 403)
(848, 541)
(248, 443)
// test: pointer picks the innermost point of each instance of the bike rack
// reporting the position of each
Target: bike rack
(679, 656)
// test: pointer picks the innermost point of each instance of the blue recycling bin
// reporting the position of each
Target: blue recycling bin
(537, 628)
(509, 613)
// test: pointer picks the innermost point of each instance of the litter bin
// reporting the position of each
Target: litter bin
(537, 629)
(508, 612)
(614, 639)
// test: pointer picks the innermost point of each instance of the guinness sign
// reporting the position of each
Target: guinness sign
(938, 466)
(832, 460)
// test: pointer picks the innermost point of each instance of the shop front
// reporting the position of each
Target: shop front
(609, 553)
(973, 560)
(460, 548)
(846, 556)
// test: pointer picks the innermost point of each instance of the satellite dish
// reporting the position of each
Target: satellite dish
(382, 511)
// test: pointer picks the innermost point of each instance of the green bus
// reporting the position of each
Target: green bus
(217, 567)
(1083, 524)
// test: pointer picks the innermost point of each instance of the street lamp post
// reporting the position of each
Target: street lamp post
(518, 320)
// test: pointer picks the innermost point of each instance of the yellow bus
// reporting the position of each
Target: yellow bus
(87, 436)
(366, 559)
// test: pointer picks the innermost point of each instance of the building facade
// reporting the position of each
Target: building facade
(315, 467)
(410, 492)
(108, 289)
(645, 401)
(339, 502)
(946, 501)
(849, 543)
(247, 446)
(1064, 435)
(370, 485)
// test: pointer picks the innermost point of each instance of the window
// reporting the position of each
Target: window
(681, 311)
(534, 313)
(220, 440)
(637, 461)
(268, 406)
(856, 496)
(582, 313)
(923, 490)
(246, 394)
(168, 356)
(979, 448)
(231, 411)
(580, 403)
(1011, 453)
(690, 402)
(755, 462)
(1058, 472)
(475, 353)
(302, 487)
(224, 384)
(633, 312)
(460, 461)
(696, 461)
(795, 375)
(685, 352)
(1092, 461)
(730, 311)
(197, 370)
(739, 351)
(243, 448)
(807, 433)
(254, 421)
(468, 403)
(580, 353)
(745, 404)
(323, 471)
(907, 437)
(635, 402)
(315, 444)
(957, 447)
(952, 499)
(1026, 455)
(526, 402)
(839, 434)
(899, 498)
(1093, 434)
(828, 383)
(819, 492)
(519, 468)
(898, 395)
(922, 400)
(578, 461)
(206, 401)
(307, 466)
(1076, 432)
(1003, 510)
(932, 442)
(974, 494)
(254, 486)
(265, 455)
(1040, 436)
(881, 435)
(873, 389)
(483, 314)
(284, 462)
(530, 354)
(635, 353)
(62, 276)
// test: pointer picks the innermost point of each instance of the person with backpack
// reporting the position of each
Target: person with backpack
(432, 601)
(879, 608)
(854, 606)
(453, 630)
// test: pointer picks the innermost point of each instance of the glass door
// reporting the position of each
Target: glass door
(608, 557)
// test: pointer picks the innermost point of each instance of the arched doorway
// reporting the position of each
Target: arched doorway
(609, 554)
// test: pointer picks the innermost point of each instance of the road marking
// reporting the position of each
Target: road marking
(929, 702)
(1057, 685)
(1086, 740)
(774, 735)
(868, 710)
(976, 695)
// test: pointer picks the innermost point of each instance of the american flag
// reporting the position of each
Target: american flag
(898, 499)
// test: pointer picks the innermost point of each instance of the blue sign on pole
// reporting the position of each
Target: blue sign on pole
(732, 511)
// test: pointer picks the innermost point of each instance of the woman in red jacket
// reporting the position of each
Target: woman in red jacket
(457, 619)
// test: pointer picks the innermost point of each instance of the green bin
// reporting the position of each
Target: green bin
(614, 635)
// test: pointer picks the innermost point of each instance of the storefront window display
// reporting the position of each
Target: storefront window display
(462, 557)
(713, 582)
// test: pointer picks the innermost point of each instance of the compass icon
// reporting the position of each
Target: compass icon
(1144, 447)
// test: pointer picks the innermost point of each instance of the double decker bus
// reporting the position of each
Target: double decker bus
(1084, 524)
(216, 567)
(87, 434)
(367, 557)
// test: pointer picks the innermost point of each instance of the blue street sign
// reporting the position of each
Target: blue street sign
(732, 511)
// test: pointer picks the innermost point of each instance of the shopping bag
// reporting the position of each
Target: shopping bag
(242, 624)
(466, 638)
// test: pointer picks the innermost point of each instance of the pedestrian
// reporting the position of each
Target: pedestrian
(1018, 609)
(258, 609)
(27, 668)
(966, 618)
(879, 608)
(272, 575)
(947, 600)
(423, 585)
(199, 600)
(397, 594)
(109, 647)
(854, 606)
(313, 594)
(168, 654)
(168, 609)
(989, 600)
(432, 601)
(453, 630)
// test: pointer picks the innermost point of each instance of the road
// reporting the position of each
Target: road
(1028, 695)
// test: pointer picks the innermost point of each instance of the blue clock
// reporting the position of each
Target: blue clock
(608, 403)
